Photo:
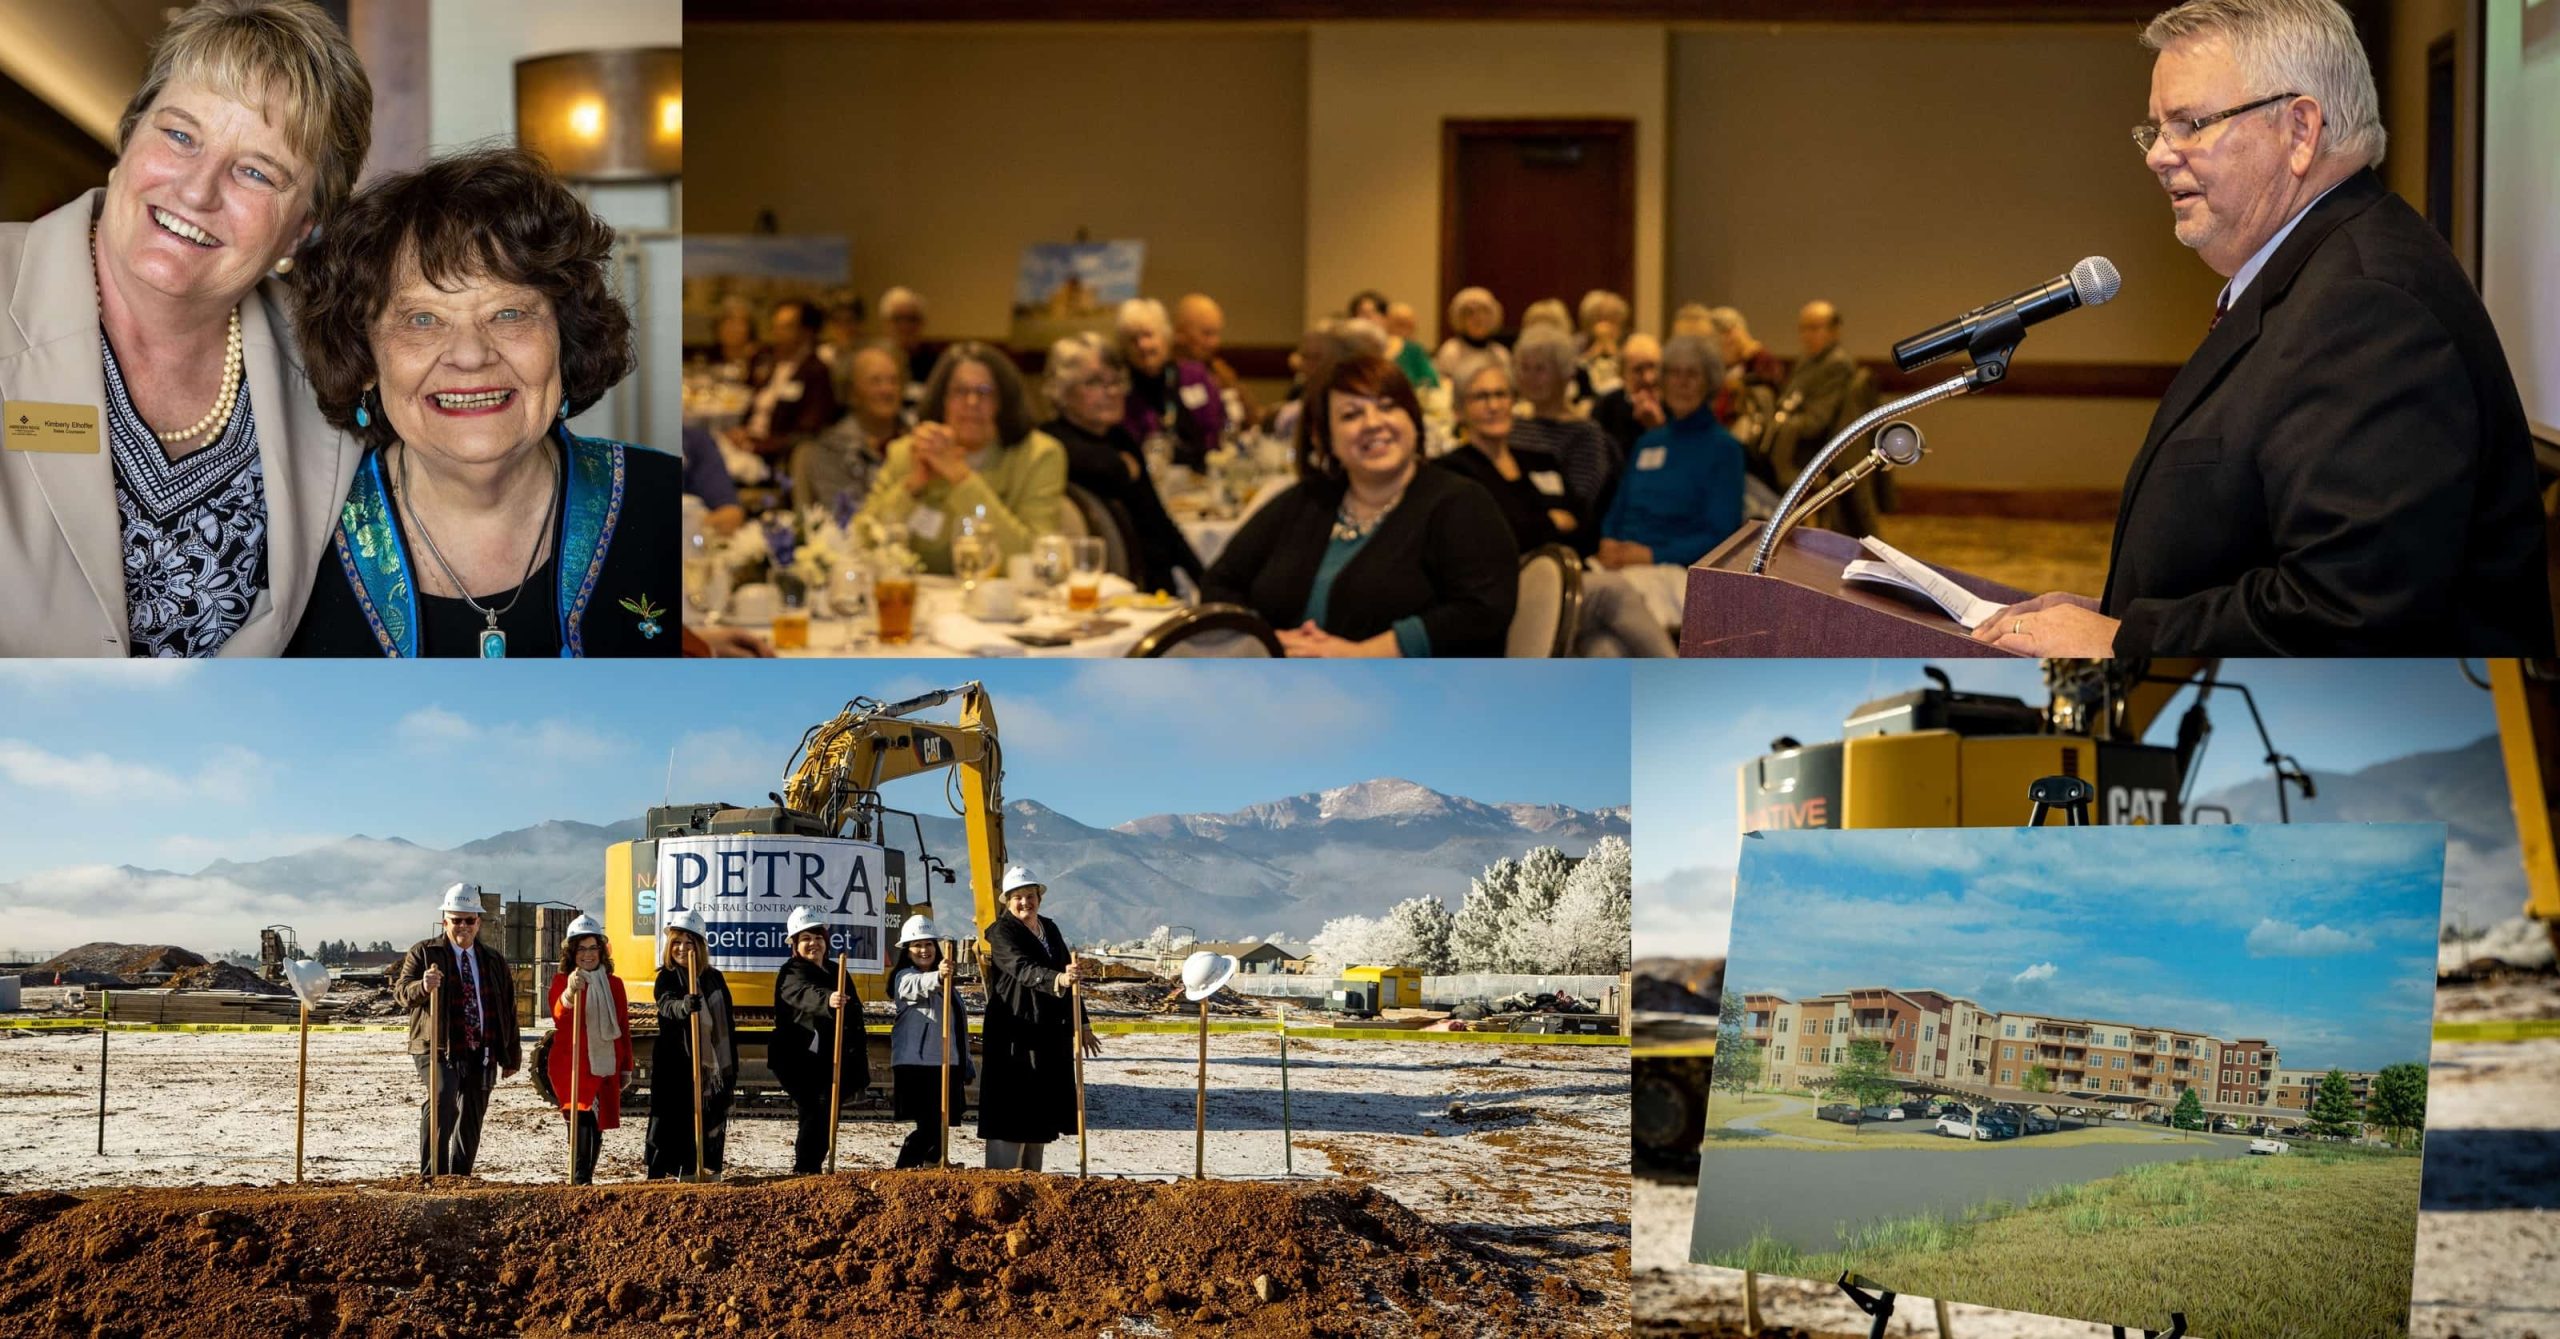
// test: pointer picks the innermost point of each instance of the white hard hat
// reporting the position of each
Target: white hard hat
(803, 919)
(1015, 876)
(918, 926)
(462, 897)
(687, 919)
(584, 925)
(1205, 973)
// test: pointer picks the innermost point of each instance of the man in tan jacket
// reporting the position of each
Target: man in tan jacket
(480, 1044)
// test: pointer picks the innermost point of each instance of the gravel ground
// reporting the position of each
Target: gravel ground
(2488, 1230)
(1533, 1166)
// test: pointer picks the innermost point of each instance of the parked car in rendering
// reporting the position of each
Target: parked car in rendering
(1881, 1113)
(1916, 1109)
(1839, 1111)
(1998, 1125)
(2039, 1123)
(2268, 1146)
(1959, 1126)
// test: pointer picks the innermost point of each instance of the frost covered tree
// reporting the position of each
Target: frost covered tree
(1589, 930)
(1526, 937)
(1478, 924)
(1350, 941)
(1422, 926)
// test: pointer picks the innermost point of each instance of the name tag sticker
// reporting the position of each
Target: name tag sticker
(1651, 457)
(1194, 395)
(1548, 481)
(925, 523)
(65, 429)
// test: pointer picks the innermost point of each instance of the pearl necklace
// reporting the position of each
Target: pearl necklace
(225, 399)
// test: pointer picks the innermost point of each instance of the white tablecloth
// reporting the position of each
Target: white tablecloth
(943, 631)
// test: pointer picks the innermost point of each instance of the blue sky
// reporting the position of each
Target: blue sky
(2320, 939)
(171, 766)
(1698, 722)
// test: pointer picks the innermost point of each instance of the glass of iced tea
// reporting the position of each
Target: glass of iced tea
(791, 629)
(894, 595)
(1084, 583)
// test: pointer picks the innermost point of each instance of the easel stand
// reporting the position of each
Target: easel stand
(1878, 1305)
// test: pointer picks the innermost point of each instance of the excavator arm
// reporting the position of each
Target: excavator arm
(840, 765)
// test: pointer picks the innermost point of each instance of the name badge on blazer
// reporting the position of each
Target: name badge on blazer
(32, 425)
(1194, 395)
(1548, 481)
(1652, 457)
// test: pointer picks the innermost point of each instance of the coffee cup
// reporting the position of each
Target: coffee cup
(995, 599)
(755, 602)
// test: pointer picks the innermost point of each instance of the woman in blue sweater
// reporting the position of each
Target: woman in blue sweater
(1681, 494)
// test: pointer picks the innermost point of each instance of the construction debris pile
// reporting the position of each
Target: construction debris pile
(1165, 997)
(225, 976)
(113, 966)
(902, 1253)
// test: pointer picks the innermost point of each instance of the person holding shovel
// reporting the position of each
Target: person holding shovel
(593, 1042)
(916, 1054)
(462, 1019)
(1028, 1097)
(803, 1050)
(690, 988)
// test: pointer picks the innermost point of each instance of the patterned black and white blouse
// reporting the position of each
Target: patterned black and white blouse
(195, 531)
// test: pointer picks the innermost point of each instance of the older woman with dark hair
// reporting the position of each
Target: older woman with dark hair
(454, 320)
(1169, 397)
(1682, 491)
(181, 481)
(1370, 554)
(1086, 383)
(973, 456)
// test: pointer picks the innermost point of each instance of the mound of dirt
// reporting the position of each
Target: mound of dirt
(893, 1253)
(115, 965)
(226, 976)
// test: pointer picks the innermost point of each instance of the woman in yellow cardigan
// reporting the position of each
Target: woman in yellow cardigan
(973, 452)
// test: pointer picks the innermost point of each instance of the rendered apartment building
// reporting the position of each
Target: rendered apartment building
(1932, 1035)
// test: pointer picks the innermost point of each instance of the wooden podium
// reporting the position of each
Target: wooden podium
(1801, 608)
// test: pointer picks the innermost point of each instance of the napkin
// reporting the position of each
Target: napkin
(969, 637)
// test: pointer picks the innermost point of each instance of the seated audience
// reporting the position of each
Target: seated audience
(1168, 396)
(1693, 318)
(1367, 305)
(794, 393)
(1636, 406)
(1369, 553)
(1410, 358)
(1547, 312)
(706, 476)
(1327, 342)
(1199, 328)
(1542, 362)
(904, 311)
(1526, 483)
(1474, 316)
(1816, 394)
(1681, 494)
(1747, 362)
(1603, 320)
(843, 459)
(973, 457)
(1087, 385)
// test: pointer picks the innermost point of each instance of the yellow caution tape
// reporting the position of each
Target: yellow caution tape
(1675, 1050)
(91, 1025)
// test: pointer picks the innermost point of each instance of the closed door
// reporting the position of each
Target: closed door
(1537, 209)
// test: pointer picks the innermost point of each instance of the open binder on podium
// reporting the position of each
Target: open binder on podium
(1802, 606)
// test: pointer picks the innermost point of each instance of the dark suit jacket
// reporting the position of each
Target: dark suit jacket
(2342, 468)
(497, 998)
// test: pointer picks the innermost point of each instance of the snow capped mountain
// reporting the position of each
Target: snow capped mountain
(1281, 868)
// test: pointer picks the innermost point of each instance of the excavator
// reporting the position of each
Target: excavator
(1935, 758)
(824, 841)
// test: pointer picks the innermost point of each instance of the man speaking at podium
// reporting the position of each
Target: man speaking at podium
(2343, 466)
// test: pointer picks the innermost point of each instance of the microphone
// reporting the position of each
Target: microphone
(2090, 282)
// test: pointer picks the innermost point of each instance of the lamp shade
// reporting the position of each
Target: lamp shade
(604, 115)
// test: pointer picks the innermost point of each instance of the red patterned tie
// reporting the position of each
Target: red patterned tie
(2221, 305)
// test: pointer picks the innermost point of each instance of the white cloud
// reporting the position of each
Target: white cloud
(434, 727)
(2042, 971)
(113, 676)
(1685, 914)
(2281, 939)
(727, 763)
(513, 745)
(227, 775)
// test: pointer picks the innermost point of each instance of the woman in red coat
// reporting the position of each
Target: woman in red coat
(600, 1035)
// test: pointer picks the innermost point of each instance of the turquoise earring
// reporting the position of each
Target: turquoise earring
(363, 419)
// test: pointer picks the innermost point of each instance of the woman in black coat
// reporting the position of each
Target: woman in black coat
(1027, 1085)
(668, 1149)
(1369, 554)
(802, 1052)
(1089, 385)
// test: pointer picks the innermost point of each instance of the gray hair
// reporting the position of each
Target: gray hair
(1139, 313)
(1602, 305)
(1728, 321)
(1547, 311)
(896, 298)
(1466, 299)
(2304, 46)
(1074, 358)
(1693, 351)
(1549, 347)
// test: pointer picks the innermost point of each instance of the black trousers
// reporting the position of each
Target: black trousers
(916, 1100)
(462, 1102)
(590, 1144)
(811, 1096)
(668, 1147)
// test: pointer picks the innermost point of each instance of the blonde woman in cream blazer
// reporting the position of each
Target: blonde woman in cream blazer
(197, 538)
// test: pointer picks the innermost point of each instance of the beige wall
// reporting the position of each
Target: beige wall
(942, 150)
(2415, 24)
(1910, 172)
(1377, 94)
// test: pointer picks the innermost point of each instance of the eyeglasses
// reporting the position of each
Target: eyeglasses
(970, 393)
(2151, 132)
(1496, 395)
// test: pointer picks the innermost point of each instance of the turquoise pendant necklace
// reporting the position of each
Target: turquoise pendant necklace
(493, 639)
